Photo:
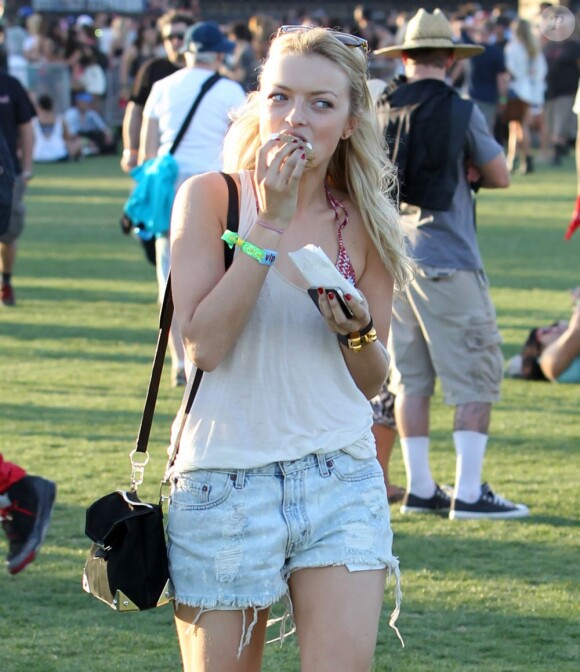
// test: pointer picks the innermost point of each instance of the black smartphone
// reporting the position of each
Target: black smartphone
(313, 294)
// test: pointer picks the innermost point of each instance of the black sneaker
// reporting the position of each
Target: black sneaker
(26, 519)
(439, 503)
(489, 505)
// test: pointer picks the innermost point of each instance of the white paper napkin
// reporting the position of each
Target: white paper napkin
(319, 271)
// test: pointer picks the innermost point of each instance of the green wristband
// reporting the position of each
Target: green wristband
(264, 257)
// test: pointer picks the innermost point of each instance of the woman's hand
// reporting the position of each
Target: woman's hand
(279, 167)
(334, 315)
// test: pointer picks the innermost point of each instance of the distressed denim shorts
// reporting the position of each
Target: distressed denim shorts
(234, 537)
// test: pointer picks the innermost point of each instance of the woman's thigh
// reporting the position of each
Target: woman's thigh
(213, 643)
(337, 615)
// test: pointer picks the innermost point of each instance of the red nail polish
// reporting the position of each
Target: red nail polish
(303, 156)
(348, 297)
(331, 295)
(320, 290)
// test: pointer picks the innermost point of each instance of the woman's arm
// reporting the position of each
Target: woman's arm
(558, 356)
(211, 306)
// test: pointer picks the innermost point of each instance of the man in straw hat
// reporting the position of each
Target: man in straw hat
(444, 322)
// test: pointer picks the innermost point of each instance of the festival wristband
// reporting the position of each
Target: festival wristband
(358, 339)
(264, 257)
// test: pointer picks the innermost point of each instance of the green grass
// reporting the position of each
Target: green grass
(75, 357)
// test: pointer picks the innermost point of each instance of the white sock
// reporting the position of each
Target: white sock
(470, 451)
(177, 365)
(416, 458)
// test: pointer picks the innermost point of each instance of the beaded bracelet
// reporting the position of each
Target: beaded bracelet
(264, 257)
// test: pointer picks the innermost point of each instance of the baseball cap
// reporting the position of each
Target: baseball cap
(84, 20)
(205, 36)
(25, 12)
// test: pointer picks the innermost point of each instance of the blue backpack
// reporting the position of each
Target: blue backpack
(148, 208)
(149, 205)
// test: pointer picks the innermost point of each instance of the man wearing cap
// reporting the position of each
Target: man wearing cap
(444, 323)
(200, 149)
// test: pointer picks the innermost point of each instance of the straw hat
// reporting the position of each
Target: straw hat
(430, 31)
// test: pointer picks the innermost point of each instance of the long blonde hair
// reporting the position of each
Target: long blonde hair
(359, 166)
(523, 32)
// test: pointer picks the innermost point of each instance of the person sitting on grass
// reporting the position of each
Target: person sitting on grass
(553, 352)
(85, 122)
(52, 139)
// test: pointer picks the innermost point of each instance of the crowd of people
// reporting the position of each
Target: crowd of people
(524, 82)
(287, 109)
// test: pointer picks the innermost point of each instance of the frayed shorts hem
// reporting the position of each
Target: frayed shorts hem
(201, 602)
(205, 605)
(353, 565)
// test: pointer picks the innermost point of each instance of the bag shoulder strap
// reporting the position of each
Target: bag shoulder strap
(204, 89)
(165, 317)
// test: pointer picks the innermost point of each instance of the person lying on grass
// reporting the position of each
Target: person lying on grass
(553, 352)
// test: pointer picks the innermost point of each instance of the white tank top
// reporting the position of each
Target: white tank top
(283, 391)
(51, 147)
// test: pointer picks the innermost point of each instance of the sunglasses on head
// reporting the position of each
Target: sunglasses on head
(174, 36)
(346, 38)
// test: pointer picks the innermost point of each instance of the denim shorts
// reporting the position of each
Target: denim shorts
(234, 537)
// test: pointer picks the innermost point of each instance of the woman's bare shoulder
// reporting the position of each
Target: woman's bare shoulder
(201, 200)
(206, 183)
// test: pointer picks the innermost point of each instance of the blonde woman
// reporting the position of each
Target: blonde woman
(527, 69)
(276, 489)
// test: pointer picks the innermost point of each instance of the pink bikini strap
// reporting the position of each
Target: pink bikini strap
(343, 263)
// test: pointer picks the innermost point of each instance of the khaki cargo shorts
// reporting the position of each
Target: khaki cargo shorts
(444, 325)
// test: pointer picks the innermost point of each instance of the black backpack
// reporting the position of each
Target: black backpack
(425, 126)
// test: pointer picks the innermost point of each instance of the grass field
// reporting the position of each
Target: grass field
(75, 359)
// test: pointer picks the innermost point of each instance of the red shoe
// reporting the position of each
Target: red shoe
(25, 521)
(7, 295)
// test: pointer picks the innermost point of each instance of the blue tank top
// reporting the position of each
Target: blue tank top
(572, 373)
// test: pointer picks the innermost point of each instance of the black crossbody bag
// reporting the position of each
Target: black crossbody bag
(127, 565)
